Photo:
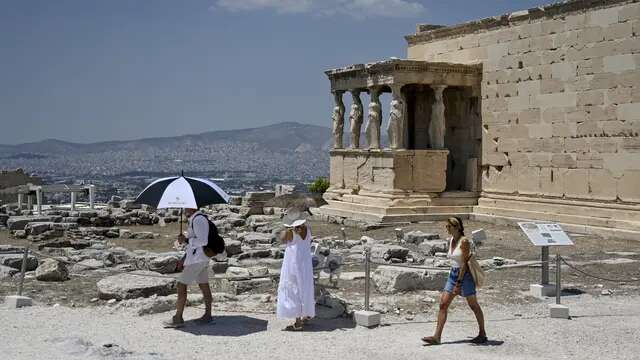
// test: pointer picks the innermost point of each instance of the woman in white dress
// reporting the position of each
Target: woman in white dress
(296, 289)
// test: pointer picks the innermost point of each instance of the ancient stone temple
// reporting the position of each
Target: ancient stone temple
(529, 115)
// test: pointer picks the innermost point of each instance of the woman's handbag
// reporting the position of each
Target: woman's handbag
(476, 271)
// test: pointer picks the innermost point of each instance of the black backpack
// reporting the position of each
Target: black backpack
(215, 242)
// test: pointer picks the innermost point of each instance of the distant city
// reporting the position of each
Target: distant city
(239, 161)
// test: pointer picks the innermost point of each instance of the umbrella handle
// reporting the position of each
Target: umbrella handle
(180, 222)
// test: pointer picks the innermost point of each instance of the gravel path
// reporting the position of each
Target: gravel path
(601, 328)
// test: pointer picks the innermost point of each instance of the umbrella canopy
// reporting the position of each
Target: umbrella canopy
(182, 192)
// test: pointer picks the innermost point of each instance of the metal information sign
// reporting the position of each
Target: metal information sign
(545, 234)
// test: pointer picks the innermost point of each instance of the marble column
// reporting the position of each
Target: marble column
(397, 122)
(39, 200)
(20, 201)
(338, 120)
(92, 194)
(73, 201)
(437, 125)
(355, 119)
(374, 119)
(29, 202)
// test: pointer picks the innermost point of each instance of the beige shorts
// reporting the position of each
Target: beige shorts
(195, 273)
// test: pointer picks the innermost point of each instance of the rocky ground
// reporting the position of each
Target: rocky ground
(119, 263)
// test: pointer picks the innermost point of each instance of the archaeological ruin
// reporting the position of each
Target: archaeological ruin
(529, 115)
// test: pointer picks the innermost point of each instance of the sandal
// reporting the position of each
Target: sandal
(430, 340)
(292, 328)
(479, 340)
(306, 320)
(173, 324)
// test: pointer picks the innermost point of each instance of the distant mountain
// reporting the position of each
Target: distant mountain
(274, 151)
(286, 136)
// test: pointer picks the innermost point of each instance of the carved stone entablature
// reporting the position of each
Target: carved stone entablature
(401, 72)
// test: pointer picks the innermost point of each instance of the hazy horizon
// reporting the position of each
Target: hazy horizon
(88, 71)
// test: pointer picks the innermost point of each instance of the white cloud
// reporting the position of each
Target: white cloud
(355, 8)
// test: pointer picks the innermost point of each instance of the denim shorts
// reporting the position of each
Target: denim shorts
(468, 287)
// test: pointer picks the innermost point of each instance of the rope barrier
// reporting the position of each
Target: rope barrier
(595, 276)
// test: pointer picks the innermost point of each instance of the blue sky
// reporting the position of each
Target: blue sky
(93, 70)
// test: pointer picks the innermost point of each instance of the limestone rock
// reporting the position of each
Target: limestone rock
(130, 286)
(52, 270)
(15, 261)
(417, 237)
(431, 247)
(164, 264)
(7, 272)
(388, 279)
(87, 265)
(233, 247)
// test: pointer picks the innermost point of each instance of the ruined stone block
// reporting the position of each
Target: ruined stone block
(629, 12)
(540, 131)
(529, 181)
(553, 115)
(552, 26)
(604, 17)
(563, 161)
(628, 189)
(564, 130)
(619, 63)
(557, 100)
(551, 86)
(539, 159)
(602, 185)
(551, 182)
(618, 31)
(618, 96)
(629, 111)
(576, 183)
(595, 97)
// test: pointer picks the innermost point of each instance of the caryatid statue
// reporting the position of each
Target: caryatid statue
(374, 120)
(396, 120)
(437, 125)
(338, 120)
(355, 119)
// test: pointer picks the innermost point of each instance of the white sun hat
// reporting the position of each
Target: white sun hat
(293, 217)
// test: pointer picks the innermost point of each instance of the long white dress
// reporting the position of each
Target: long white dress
(295, 291)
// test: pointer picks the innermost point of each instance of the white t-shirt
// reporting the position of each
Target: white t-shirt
(198, 235)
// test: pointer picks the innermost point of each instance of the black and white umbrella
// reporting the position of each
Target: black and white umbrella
(182, 192)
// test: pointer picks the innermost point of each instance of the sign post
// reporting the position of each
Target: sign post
(545, 235)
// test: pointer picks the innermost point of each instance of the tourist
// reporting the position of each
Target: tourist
(296, 289)
(196, 267)
(460, 282)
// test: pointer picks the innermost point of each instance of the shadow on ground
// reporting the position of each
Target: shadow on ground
(226, 325)
(318, 325)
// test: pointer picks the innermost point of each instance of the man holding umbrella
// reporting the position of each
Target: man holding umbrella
(190, 194)
(196, 267)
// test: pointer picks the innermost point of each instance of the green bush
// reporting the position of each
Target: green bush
(319, 186)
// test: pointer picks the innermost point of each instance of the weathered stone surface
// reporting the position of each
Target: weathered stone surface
(157, 304)
(395, 252)
(233, 247)
(134, 285)
(164, 264)
(254, 238)
(431, 247)
(52, 270)
(388, 279)
(7, 272)
(20, 222)
(416, 237)
(87, 265)
(15, 261)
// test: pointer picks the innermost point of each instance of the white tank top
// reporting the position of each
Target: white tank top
(455, 254)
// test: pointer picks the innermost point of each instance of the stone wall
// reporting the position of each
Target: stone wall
(560, 97)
